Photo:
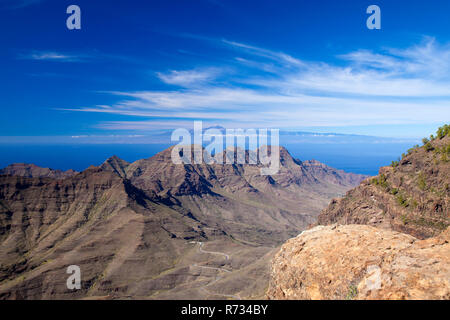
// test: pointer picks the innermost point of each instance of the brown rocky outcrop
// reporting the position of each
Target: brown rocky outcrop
(361, 262)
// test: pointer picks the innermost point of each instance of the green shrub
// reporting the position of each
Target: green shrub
(421, 182)
(428, 147)
(443, 131)
(401, 200)
(352, 292)
(425, 141)
(382, 181)
(404, 219)
(444, 150)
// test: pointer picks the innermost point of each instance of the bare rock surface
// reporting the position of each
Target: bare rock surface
(361, 262)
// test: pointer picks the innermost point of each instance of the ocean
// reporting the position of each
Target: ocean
(363, 158)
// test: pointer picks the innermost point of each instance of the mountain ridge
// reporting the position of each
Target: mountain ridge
(143, 216)
(411, 196)
(31, 171)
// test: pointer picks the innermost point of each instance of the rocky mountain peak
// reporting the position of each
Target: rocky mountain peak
(115, 164)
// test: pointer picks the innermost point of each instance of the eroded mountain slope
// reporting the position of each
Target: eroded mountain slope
(133, 229)
(411, 196)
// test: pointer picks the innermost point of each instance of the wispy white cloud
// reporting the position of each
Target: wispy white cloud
(273, 55)
(419, 71)
(52, 56)
(189, 78)
(392, 86)
(427, 64)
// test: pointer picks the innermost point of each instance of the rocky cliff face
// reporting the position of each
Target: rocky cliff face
(361, 262)
(386, 239)
(95, 220)
(327, 173)
(130, 227)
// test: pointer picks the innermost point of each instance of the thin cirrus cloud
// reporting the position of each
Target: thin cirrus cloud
(408, 86)
(52, 56)
(265, 53)
(189, 78)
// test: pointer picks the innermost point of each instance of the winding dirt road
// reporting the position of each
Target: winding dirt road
(218, 277)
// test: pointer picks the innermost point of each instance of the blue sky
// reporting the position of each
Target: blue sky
(140, 66)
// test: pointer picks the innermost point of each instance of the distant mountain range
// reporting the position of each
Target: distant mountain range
(162, 136)
(135, 228)
(33, 171)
